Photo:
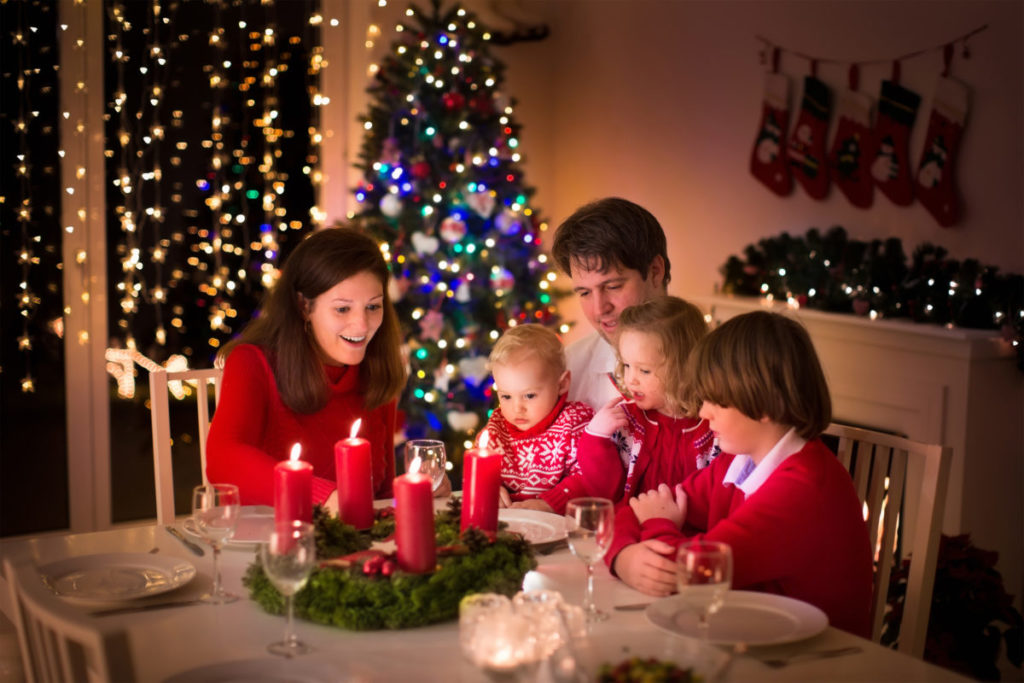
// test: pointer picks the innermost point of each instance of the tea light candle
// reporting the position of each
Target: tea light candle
(353, 470)
(293, 489)
(414, 520)
(481, 478)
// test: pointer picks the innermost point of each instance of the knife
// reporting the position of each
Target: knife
(142, 608)
(194, 547)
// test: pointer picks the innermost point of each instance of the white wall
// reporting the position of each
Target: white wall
(659, 101)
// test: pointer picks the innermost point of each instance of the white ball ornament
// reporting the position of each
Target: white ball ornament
(391, 205)
(452, 229)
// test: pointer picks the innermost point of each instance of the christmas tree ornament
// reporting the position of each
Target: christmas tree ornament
(391, 205)
(474, 369)
(424, 244)
(508, 222)
(768, 160)
(462, 421)
(481, 202)
(462, 292)
(431, 325)
(453, 101)
(420, 170)
(389, 153)
(397, 287)
(502, 279)
(848, 159)
(806, 148)
(890, 169)
(935, 174)
(452, 229)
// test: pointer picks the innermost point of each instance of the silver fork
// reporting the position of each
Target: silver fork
(779, 662)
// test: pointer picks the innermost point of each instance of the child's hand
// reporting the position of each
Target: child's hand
(660, 502)
(504, 498)
(610, 419)
(532, 504)
(648, 567)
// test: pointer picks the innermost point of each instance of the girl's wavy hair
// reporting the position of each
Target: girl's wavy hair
(764, 365)
(677, 325)
(318, 263)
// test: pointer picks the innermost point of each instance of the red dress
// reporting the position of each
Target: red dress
(253, 429)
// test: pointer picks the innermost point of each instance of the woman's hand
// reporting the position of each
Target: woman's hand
(647, 567)
(661, 503)
(610, 419)
(532, 504)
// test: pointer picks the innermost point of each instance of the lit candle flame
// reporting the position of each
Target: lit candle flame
(414, 466)
(484, 440)
(355, 428)
(296, 452)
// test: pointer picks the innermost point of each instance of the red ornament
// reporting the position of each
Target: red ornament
(453, 100)
(420, 170)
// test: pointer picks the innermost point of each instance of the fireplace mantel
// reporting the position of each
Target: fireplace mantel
(953, 386)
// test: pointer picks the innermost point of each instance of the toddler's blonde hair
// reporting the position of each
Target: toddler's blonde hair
(521, 340)
(677, 325)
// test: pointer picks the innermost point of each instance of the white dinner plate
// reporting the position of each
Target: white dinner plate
(745, 617)
(276, 670)
(117, 576)
(535, 526)
(255, 524)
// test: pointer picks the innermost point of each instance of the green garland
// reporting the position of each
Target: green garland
(833, 273)
(361, 597)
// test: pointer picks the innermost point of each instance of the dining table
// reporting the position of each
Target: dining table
(201, 642)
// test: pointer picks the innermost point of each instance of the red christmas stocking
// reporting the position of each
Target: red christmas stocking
(897, 109)
(935, 186)
(848, 161)
(768, 161)
(806, 152)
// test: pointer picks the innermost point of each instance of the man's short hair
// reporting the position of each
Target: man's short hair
(607, 233)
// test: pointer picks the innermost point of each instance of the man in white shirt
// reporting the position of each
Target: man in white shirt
(616, 255)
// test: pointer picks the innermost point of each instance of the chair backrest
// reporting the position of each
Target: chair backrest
(160, 383)
(58, 641)
(899, 478)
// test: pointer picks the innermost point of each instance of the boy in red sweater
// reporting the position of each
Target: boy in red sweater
(784, 503)
(535, 426)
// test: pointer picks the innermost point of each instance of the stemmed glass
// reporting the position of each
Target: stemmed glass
(589, 523)
(432, 458)
(288, 558)
(704, 576)
(215, 509)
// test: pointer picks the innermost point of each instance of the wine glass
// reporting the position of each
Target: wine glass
(288, 558)
(589, 523)
(215, 509)
(704, 576)
(432, 458)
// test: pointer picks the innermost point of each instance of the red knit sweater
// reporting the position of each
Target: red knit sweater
(253, 429)
(657, 449)
(801, 534)
(539, 462)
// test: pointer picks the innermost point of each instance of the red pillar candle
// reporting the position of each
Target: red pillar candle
(293, 489)
(354, 474)
(414, 521)
(481, 477)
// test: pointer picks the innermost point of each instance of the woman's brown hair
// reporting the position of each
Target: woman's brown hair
(677, 325)
(764, 365)
(319, 262)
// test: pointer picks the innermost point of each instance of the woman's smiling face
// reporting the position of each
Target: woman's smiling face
(345, 317)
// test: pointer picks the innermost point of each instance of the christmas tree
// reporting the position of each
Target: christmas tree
(444, 194)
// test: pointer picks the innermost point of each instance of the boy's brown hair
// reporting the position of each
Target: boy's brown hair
(677, 325)
(533, 339)
(764, 365)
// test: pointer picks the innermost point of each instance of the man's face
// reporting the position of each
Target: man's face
(605, 294)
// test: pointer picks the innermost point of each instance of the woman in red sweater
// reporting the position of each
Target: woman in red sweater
(783, 502)
(323, 352)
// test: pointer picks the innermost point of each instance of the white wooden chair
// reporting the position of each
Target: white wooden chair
(159, 386)
(879, 464)
(58, 641)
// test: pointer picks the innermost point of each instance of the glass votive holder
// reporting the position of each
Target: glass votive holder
(504, 644)
(474, 609)
(543, 608)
